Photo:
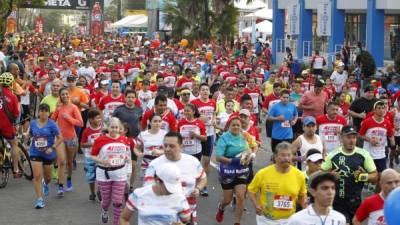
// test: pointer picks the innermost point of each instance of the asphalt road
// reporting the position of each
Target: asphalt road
(17, 202)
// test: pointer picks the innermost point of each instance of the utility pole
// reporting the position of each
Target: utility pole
(119, 9)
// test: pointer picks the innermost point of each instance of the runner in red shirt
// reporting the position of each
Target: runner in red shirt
(187, 80)
(7, 129)
(110, 102)
(207, 109)
(254, 93)
(372, 207)
(193, 131)
(330, 126)
(160, 107)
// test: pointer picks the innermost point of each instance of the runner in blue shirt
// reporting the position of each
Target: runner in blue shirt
(45, 138)
(284, 116)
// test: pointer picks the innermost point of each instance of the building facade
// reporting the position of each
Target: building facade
(328, 25)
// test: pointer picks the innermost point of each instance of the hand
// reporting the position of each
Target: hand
(192, 134)
(49, 150)
(195, 193)
(292, 123)
(105, 162)
(280, 118)
(258, 210)
(336, 172)
(363, 115)
(359, 171)
(75, 101)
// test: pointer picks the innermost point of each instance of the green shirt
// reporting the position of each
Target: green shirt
(51, 101)
(347, 163)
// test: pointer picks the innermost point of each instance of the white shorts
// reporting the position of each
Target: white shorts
(262, 220)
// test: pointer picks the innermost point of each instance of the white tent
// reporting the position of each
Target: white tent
(253, 5)
(264, 13)
(263, 27)
(131, 21)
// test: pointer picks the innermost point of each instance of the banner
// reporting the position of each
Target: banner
(59, 4)
(324, 19)
(39, 24)
(96, 21)
(11, 23)
(294, 19)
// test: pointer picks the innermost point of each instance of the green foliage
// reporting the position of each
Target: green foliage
(368, 64)
(110, 13)
(201, 19)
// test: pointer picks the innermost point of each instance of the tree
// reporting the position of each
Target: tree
(6, 9)
(110, 13)
(368, 66)
(201, 19)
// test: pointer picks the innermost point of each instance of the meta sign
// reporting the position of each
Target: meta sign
(59, 4)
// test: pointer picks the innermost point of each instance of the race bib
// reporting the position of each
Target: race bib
(332, 138)
(40, 143)
(283, 202)
(188, 141)
(285, 124)
(117, 162)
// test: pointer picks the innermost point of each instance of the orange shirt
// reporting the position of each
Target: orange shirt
(79, 94)
(67, 117)
(16, 88)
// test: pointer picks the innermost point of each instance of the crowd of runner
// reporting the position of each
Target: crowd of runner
(151, 117)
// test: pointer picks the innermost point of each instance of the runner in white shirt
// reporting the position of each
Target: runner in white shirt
(339, 78)
(322, 186)
(161, 203)
(192, 173)
(145, 95)
(87, 71)
(150, 143)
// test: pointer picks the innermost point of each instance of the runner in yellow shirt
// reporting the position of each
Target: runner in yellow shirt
(276, 189)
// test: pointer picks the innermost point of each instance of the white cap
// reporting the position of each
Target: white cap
(315, 157)
(170, 175)
(244, 112)
(340, 64)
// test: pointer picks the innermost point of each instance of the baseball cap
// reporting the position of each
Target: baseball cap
(146, 82)
(314, 155)
(368, 88)
(162, 90)
(71, 78)
(170, 175)
(309, 120)
(319, 83)
(346, 130)
(244, 112)
(341, 64)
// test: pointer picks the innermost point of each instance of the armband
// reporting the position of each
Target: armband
(363, 177)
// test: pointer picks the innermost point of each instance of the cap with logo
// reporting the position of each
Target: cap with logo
(170, 175)
(346, 130)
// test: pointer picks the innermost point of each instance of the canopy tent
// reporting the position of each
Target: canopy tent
(131, 21)
(253, 5)
(264, 13)
(263, 27)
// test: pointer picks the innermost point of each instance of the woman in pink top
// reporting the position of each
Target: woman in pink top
(67, 116)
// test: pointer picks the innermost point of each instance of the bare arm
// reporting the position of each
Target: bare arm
(125, 216)
(253, 199)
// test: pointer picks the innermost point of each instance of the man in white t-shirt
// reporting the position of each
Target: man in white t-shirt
(322, 187)
(339, 77)
(87, 71)
(161, 203)
(193, 176)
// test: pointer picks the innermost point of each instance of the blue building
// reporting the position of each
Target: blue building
(328, 25)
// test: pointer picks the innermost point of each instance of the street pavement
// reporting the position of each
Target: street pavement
(17, 202)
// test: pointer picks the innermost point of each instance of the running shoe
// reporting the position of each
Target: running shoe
(17, 174)
(220, 214)
(104, 216)
(69, 185)
(92, 197)
(39, 203)
(45, 189)
(60, 192)
(204, 192)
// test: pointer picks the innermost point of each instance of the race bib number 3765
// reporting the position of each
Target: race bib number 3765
(282, 202)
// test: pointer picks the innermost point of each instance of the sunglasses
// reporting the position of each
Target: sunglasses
(186, 94)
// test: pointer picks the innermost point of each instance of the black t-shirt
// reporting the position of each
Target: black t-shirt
(361, 105)
(131, 116)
